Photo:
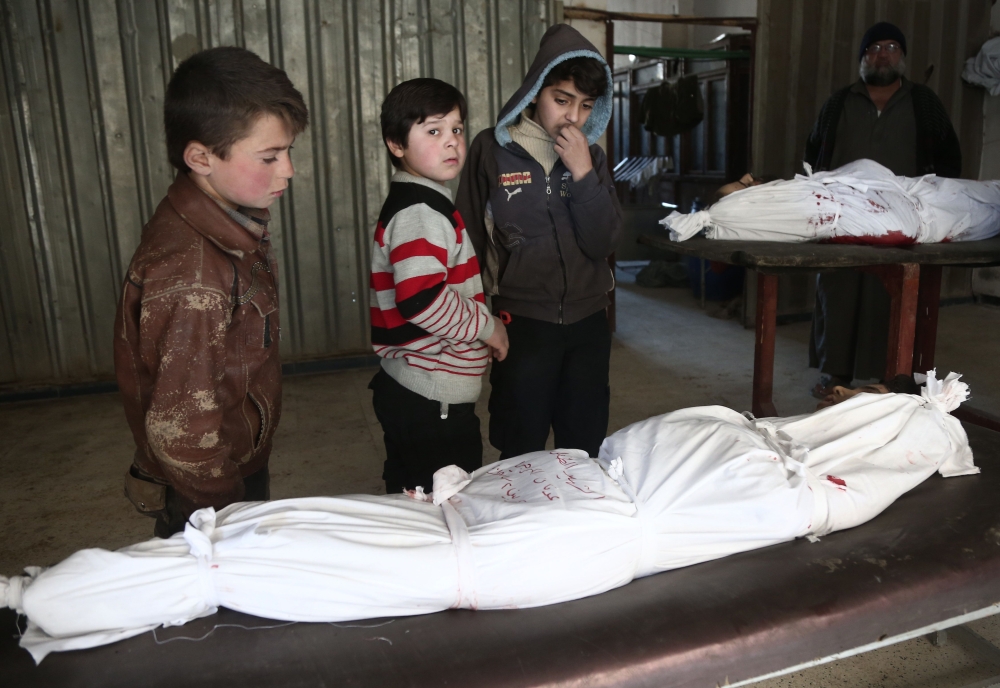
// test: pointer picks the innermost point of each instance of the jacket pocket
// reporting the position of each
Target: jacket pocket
(146, 495)
(533, 272)
(262, 323)
(257, 417)
(591, 278)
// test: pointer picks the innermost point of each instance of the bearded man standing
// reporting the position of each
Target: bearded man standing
(899, 124)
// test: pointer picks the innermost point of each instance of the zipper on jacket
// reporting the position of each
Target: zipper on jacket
(555, 234)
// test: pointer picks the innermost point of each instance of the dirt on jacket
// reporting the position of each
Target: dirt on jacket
(196, 349)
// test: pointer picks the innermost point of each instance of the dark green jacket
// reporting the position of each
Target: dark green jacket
(938, 150)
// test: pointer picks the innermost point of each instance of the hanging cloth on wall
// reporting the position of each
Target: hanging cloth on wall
(984, 68)
(671, 109)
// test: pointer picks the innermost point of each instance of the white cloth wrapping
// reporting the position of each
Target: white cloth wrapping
(861, 202)
(671, 491)
(984, 68)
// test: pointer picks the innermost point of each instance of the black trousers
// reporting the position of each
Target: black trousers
(172, 519)
(850, 330)
(554, 376)
(417, 440)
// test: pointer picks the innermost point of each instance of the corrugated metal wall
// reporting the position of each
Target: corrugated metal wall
(83, 161)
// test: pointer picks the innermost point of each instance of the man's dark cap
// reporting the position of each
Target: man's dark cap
(883, 31)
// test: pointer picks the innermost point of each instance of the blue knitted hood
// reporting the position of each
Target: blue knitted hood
(560, 43)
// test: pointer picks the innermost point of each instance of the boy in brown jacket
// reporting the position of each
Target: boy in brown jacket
(196, 334)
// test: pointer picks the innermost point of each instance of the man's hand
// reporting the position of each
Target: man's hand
(498, 340)
(573, 149)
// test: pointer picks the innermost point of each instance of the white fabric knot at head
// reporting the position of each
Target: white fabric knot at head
(945, 395)
(198, 532)
(10, 593)
(12, 589)
(683, 227)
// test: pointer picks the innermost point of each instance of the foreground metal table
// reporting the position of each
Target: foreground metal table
(932, 560)
(911, 275)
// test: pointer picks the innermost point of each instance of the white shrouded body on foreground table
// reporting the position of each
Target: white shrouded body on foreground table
(671, 491)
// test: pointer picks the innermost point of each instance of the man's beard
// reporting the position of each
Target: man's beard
(884, 75)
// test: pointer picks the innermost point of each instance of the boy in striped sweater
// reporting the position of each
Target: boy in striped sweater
(430, 324)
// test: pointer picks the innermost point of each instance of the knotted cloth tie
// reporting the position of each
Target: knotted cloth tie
(467, 598)
(10, 592)
(944, 395)
(793, 457)
(198, 535)
(448, 482)
(645, 562)
(683, 227)
(12, 589)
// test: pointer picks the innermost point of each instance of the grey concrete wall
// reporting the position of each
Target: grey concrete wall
(83, 161)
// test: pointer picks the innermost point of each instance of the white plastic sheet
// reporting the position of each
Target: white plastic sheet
(671, 491)
(861, 202)
(984, 68)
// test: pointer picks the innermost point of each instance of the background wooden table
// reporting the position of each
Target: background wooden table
(911, 275)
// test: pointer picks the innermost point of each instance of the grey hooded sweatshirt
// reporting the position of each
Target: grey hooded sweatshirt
(543, 240)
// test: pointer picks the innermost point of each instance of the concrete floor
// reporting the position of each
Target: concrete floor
(62, 460)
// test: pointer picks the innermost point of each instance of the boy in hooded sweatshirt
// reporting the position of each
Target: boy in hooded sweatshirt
(540, 208)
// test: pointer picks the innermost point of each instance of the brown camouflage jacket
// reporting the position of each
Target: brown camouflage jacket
(196, 348)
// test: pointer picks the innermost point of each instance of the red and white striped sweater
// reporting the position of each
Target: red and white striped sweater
(428, 312)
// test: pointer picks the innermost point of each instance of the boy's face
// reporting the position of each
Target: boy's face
(435, 148)
(562, 105)
(255, 173)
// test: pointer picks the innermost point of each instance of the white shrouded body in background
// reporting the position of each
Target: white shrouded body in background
(861, 202)
(671, 491)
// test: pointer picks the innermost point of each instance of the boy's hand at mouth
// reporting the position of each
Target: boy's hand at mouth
(574, 150)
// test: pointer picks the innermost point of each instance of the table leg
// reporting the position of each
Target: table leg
(902, 319)
(903, 284)
(763, 350)
(925, 337)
